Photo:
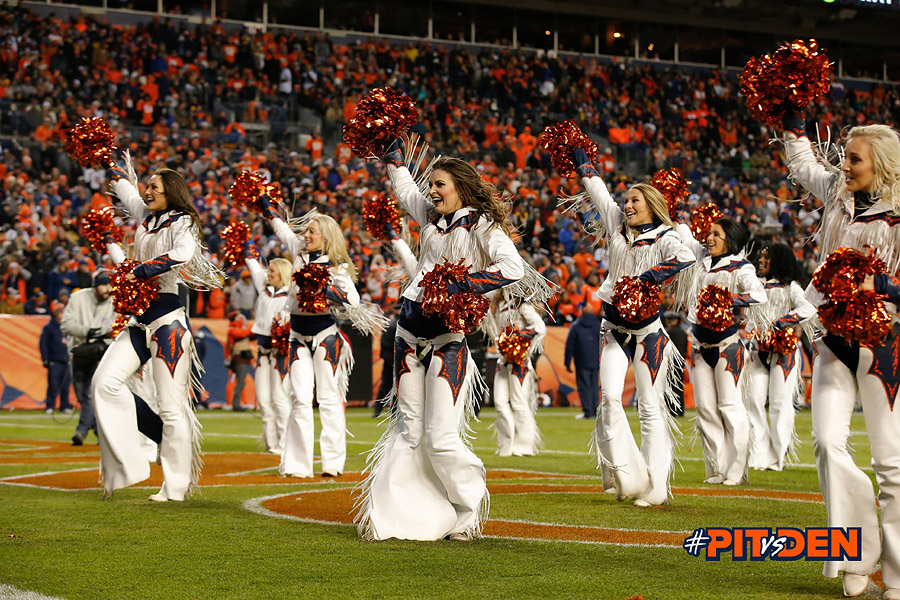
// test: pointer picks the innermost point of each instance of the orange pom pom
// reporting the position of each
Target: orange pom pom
(513, 346)
(248, 188)
(673, 186)
(119, 325)
(786, 81)
(560, 141)
(840, 276)
(778, 341)
(702, 220)
(636, 300)
(380, 118)
(99, 223)
(132, 297)
(91, 142)
(281, 337)
(863, 319)
(461, 312)
(311, 281)
(377, 213)
(236, 236)
(714, 308)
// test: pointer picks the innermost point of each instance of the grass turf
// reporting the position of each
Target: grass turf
(73, 545)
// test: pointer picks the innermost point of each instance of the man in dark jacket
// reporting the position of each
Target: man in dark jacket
(55, 356)
(583, 345)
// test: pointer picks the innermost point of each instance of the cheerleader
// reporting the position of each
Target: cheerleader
(166, 243)
(515, 385)
(273, 388)
(642, 243)
(861, 211)
(776, 377)
(321, 356)
(717, 361)
(425, 483)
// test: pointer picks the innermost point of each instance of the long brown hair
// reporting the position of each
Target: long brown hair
(476, 192)
(178, 196)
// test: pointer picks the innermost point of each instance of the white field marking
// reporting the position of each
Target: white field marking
(254, 505)
(738, 497)
(8, 592)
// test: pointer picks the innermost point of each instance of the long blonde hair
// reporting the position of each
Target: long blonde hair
(333, 244)
(283, 267)
(884, 144)
(656, 201)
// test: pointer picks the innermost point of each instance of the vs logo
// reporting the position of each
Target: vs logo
(784, 543)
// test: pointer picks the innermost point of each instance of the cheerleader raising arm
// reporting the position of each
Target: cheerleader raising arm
(127, 194)
(802, 161)
(612, 216)
(407, 191)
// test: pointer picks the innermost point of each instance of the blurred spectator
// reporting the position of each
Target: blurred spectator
(240, 356)
(55, 356)
(37, 304)
(583, 346)
(244, 294)
(88, 320)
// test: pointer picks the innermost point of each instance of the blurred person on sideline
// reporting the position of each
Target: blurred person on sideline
(87, 320)
(55, 356)
(240, 356)
(583, 346)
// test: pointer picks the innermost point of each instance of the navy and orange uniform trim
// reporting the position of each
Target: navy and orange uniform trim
(480, 282)
(654, 346)
(664, 270)
(743, 299)
(336, 294)
(333, 345)
(786, 321)
(394, 155)
(454, 360)
(446, 223)
(729, 267)
(168, 344)
(734, 359)
(886, 365)
(587, 170)
(795, 124)
(155, 266)
(162, 224)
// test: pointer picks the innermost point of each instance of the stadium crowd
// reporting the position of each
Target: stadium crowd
(178, 95)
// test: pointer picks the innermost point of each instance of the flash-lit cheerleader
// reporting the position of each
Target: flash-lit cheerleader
(642, 243)
(718, 357)
(321, 358)
(425, 483)
(861, 211)
(273, 386)
(776, 377)
(515, 385)
(167, 243)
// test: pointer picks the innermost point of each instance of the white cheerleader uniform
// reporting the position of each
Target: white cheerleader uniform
(656, 253)
(776, 378)
(425, 483)
(843, 370)
(515, 386)
(273, 387)
(321, 361)
(717, 366)
(166, 243)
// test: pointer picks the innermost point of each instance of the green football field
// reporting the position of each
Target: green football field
(66, 542)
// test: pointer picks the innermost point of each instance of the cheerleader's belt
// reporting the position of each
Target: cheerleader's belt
(315, 338)
(425, 345)
(707, 338)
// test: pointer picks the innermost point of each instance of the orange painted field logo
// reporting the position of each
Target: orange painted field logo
(784, 543)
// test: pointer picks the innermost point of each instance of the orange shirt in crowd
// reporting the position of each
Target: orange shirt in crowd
(584, 263)
(314, 146)
(215, 307)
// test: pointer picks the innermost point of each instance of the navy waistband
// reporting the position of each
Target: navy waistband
(412, 320)
(311, 324)
(708, 336)
(163, 305)
(264, 341)
(611, 314)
